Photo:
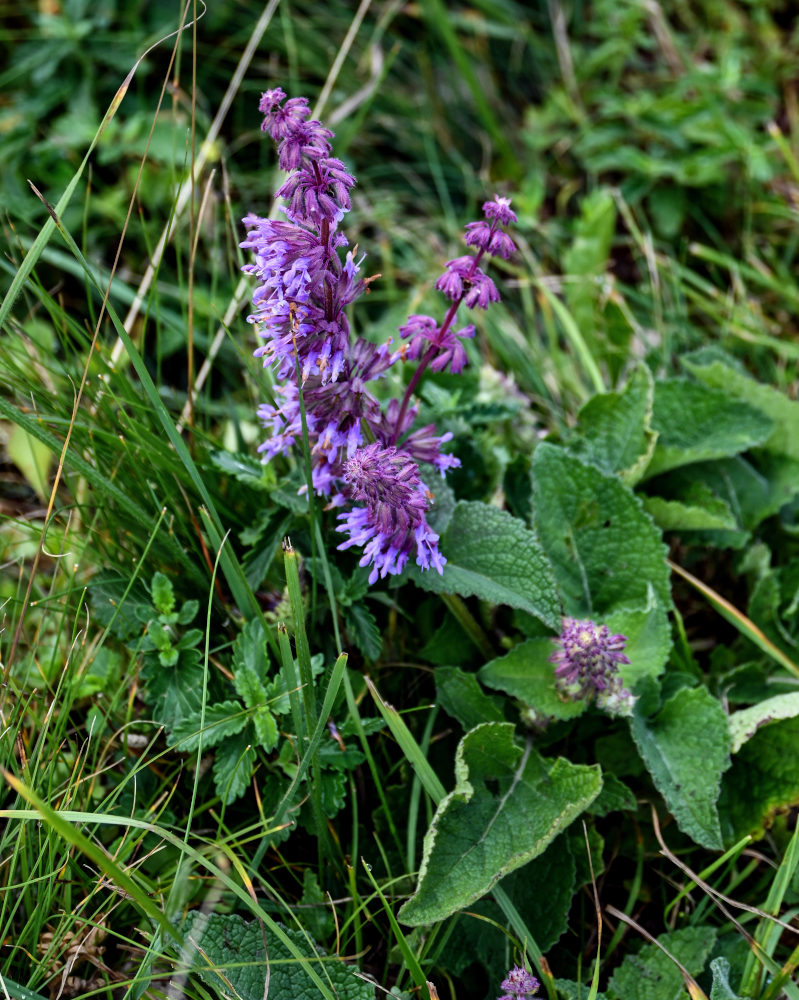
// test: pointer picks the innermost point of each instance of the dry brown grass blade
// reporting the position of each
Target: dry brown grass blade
(694, 989)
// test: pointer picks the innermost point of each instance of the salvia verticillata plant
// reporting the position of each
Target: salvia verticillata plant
(366, 458)
(587, 665)
(519, 984)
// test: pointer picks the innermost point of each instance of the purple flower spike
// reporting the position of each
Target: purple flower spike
(362, 453)
(519, 984)
(587, 664)
(392, 525)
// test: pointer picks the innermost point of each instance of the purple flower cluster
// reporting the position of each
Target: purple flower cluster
(362, 453)
(519, 984)
(587, 664)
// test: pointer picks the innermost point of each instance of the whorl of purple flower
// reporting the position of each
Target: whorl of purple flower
(392, 525)
(587, 664)
(518, 984)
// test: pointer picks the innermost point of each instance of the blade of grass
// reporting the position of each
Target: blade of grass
(409, 746)
(735, 617)
(411, 961)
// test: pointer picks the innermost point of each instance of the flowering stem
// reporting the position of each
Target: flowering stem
(430, 353)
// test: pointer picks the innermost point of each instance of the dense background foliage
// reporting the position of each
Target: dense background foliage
(196, 780)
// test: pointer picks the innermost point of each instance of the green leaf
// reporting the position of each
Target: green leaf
(652, 975)
(648, 639)
(246, 954)
(233, 764)
(744, 724)
(33, 459)
(696, 422)
(123, 608)
(702, 510)
(459, 694)
(492, 555)
(223, 719)
(722, 372)
(163, 594)
(614, 797)
(721, 989)
(604, 548)
(250, 664)
(173, 692)
(507, 806)
(614, 429)
(541, 891)
(362, 626)
(526, 673)
(241, 466)
(764, 778)
(686, 749)
(265, 726)
(569, 990)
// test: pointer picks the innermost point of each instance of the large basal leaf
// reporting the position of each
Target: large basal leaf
(614, 429)
(235, 957)
(764, 778)
(233, 763)
(542, 893)
(652, 975)
(696, 422)
(493, 555)
(720, 371)
(686, 749)
(507, 806)
(604, 548)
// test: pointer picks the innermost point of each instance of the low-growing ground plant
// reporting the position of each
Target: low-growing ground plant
(433, 634)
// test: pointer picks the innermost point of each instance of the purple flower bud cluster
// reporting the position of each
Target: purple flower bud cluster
(365, 457)
(587, 665)
(519, 984)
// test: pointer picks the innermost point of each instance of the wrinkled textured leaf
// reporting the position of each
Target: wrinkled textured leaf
(764, 778)
(223, 719)
(696, 422)
(648, 639)
(460, 695)
(651, 974)
(507, 806)
(235, 947)
(615, 432)
(686, 749)
(721, 989)
(542, 893)
(701, 511)
(745, 723)
(526, 673)
(720, 371)
(604, 548)
(493, 555)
